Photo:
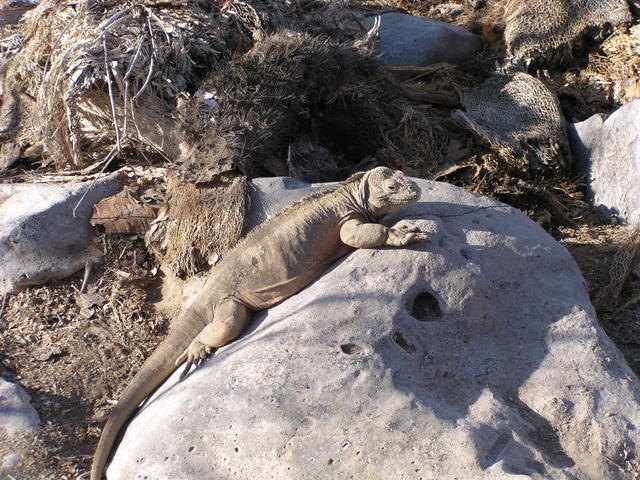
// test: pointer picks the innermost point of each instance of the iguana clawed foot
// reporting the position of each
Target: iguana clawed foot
(196, 353)
(399, 237)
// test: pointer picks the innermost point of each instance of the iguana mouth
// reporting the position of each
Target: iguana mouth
(397, 201)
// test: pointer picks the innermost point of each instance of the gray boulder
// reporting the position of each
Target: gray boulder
(475, 356)
(17, 419)
(609, 151)
(405, 40)
(40, 240)
(582, 139)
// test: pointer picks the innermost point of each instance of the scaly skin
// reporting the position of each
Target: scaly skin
(272, 263)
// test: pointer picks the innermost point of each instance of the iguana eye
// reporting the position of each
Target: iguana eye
(391, 188)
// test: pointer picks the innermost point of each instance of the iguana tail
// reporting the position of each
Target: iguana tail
(155, 370)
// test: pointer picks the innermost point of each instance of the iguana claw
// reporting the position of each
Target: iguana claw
(195, 354)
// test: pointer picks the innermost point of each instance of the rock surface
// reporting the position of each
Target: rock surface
(17, 418)
(39, 238)
(405, 40)
(475, 356)
(582, 139)
(611, 151)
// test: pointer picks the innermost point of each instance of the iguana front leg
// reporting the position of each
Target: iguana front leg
(359, 234)
(230, 319)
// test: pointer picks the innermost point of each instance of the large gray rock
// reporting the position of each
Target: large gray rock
(405, 40)
(40, 239)
(583, 137)
(17, 418)
(610, 152)
(475, 356)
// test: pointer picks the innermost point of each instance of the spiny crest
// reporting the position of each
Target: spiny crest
(303, 202)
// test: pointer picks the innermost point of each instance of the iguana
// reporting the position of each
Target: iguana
(273, 262)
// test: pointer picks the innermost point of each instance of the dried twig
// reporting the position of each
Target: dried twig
(110, 89)
(87, 272)
(4, 302)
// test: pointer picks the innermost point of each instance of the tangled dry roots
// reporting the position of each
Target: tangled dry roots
(97, 72)
(521, 118)
(535, 27)
(252, 110)
(198, 223)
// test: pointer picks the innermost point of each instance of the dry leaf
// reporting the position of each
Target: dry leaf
(122, 213)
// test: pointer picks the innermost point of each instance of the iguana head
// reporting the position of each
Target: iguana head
(385, 190)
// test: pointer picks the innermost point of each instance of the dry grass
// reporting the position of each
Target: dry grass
(102, 75)
(294, 85)
(198, 223)
(616, 66)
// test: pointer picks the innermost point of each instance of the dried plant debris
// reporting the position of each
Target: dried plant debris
(198, 223)
(103, 75)
(609, 258)
(536, 28)
(616, 66)
(123, 213)
(626, 258)
(255, 110)
(517, 115)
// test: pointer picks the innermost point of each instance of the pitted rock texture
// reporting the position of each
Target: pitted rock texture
(405, 40)
(610, 153)
(474, 356)
(17, 418)
(40, 239)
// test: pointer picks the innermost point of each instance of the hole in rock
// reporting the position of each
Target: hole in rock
(465, 253)
(352, 349)
(425, 307)
(399, 340)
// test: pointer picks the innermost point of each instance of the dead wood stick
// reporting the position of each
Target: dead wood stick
(110, 89)
(87, 271)
(4, 302)
(152, 63)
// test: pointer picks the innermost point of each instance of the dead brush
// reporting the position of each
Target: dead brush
(622, 266)
(198, 223)
(251, 109)
(616, 67)
(104, 75)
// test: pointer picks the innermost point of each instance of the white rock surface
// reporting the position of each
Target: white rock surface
(405, 40)
(17, 417)
(475, 356)
(611, 152)
(40, 239)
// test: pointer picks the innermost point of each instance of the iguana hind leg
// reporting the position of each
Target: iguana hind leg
(230, 319)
